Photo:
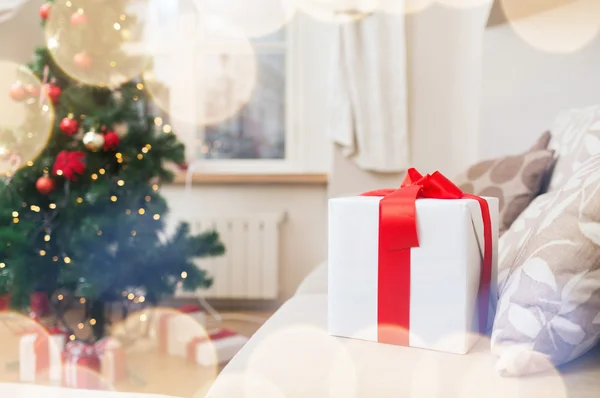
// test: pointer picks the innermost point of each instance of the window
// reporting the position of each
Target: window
(258, 128)
(261, 135)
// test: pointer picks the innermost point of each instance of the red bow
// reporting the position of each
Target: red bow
(398, 233)
(398, 210)
(68, 164)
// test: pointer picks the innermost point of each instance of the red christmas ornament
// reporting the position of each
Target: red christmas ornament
(53, 92)
(68, 164)
(45, 11)
(69, 126)
(17, 92)
(82, 61)
(45, 185)
(78, 18)
(111, 141)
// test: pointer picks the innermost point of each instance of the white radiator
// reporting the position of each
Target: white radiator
(249, 269)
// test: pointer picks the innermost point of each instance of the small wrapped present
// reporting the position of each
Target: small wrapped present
(175, 329)
(413, 266)
(218, 347)
(4, 302)
(81, 366)
(40, 354)
(112, 359)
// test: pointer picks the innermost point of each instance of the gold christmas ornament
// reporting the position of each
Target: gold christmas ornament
(93, 141)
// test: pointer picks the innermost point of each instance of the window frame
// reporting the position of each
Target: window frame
(295, 160)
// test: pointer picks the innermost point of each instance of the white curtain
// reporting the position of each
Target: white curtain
(8, 8)
(369, 108)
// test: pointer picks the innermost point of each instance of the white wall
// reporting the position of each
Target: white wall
(20, 35)
(444, 87)
(524, 88)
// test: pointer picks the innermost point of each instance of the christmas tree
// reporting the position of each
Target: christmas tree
(81, 215)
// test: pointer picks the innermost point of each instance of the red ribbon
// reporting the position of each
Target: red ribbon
(398, 234)
(41, 346)
(189, 309)
(214, 335)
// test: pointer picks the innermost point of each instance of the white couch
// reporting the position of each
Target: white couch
(292, 356)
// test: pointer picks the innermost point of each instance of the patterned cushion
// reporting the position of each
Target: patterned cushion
(549, 304)
(576, 138)
(514, 180)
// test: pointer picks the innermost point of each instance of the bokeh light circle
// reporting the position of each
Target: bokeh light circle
(317, 364)
(254, 18)
(97, 42)
(337, 11)
(26, 117)
(366, 356)
(404, 7)
(215, 79)
(563, 28)
(149, 352)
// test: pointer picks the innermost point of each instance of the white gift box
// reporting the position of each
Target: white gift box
(112, 359)
(219, 346)
(444, 271)
(81, 366)
(176, 329)
(41, 354)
